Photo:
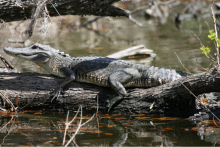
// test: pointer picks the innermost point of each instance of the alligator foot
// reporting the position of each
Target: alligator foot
(110, 102)
(56, 93)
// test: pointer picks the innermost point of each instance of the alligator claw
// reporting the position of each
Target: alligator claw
(110, 102)
(56, 93)
(108, 105)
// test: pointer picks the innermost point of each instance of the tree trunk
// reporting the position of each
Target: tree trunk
(15, 10)
(169, 99)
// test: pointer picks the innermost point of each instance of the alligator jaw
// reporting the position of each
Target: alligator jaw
(35, 57)
(41, 57)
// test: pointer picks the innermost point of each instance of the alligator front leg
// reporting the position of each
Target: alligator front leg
(70, 76)
(116, 80)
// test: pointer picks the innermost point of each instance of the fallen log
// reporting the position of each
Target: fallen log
(15, 10)
(140, 50)
(169, 99)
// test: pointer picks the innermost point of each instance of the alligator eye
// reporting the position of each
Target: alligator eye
(34, 47)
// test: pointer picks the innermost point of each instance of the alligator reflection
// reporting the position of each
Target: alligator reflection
(40, 128)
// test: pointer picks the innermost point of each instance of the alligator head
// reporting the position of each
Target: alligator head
(37, 53)
(43, 55)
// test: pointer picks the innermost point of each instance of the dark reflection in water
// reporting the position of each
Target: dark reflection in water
(39, 128)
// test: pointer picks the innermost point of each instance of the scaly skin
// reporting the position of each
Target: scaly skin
(102, 71)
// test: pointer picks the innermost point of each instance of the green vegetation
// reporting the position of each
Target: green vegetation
(212, 36)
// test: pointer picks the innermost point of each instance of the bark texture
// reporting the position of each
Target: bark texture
(15, 10)
(168, 99)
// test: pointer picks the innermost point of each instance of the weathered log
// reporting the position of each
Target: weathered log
(133, 51)
(168, 99)
(14, 10)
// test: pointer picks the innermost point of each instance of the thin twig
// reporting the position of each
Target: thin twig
(56, 10)
(8, 131)
(36, 14)
(79, 126)
(67, 124)
(30, 101)
(64, 136)
(88, 120)
(8, 122)
(200, 65)
(197, 38)
(216, 34)
(8, 100)
(135, 21)
(215, 122)
(97, 107)
(7, 63)
(200, 101)
(182, 64)
(207, 25)
(202, 44)
(97, 110)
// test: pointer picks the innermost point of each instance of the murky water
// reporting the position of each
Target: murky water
(47, 128)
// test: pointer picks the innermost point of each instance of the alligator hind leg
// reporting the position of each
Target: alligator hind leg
(116, 80)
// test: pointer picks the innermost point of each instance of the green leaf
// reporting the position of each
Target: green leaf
(212, 35)
(205, 50)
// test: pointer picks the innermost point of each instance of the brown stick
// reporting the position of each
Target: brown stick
(7, 63)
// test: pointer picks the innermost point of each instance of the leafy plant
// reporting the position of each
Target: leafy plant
(212, 36)
(205, 50)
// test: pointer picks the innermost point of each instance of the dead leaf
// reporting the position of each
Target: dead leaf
(37, 113)
(108, 134)
(151, 106)
(205, 100)
(97, 132)
(16, 100)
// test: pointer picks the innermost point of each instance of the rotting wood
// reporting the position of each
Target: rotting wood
(170, 99)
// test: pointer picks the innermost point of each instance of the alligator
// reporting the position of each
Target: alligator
(102, 71)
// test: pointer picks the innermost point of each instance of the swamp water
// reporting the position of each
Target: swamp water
(47, 128)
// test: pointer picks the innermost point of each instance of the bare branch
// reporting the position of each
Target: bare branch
(182, 64)
(8, 101)
(30, 101)
(79, 126)
(216, 33)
